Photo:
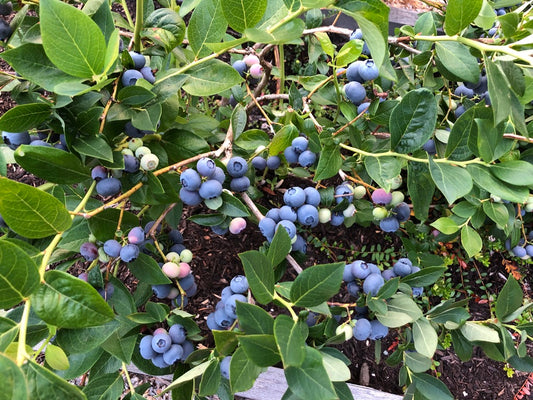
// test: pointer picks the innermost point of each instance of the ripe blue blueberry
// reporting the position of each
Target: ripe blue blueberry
(529, 250)
(39, 142)
(388, 274)
(402, 212)
(147, 74)
(175, 236)
(273, 162)
(206, 167)
(177, 333)
(373, 283)
(462, 90)
(219, 175)
(132, 131)
(112, 248)
(519, 251)
(190, 197)
(180, 301)
(343, 192)
(186, 282)
(159, 362)
(356, 34)
(108, 187)
(288, 213)
(289, 227)
(239, 284)
(237, 167)
(294, 196)
(402, 267)
(131, 164)
(240, 184)
(89, 251)
(138, 59)
(145, 347)
(173, 354)
(360, 269)
(307, 158)
(352, 72)
(210, 189)
(312, 196)
(379, 331)
(161, 291)
(366, 50)
(211, 323)
(107, 291)
(337, 218)
(267, 226)
(273, 213)
(460, 110)
(15, 139)
(299, 245)
(418, 291)
(355, 92)
(130, 77)
(368, 70)
(300, 144)
(222, 319)
(259, 163)
(136, 235)
(98, 173)
(188, 348)
(389, 224)
(161, 342)
(224, 366)
(240, 66)
(220, 230)
(308, 215)
(129, 252)
(430, 147)
(230, 306)
(191, 292)
(347, 275)
(190, 179)
(291, 155)
(226, 293)
(363, 107)
(353, 289)
(362, 329)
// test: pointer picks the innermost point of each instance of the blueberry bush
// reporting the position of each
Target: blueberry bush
(131, 119)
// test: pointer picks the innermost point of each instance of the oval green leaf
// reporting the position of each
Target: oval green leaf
(25, 116)
(316, 284)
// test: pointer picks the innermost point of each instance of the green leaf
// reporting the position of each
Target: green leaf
(421, 188)
(211, 77)
(254, 320)
(509, 23)
(470, 240)
(486, 16)
(416, 362)
(325, 43)
(260, 349)
(457, 59)
(280, 247)
(349, 52)
(310, 381)
(499, 91)
(71, 39)
(496, 212)
(134, 95)
(93, 146)
(207, 25)
(165, 27)
(105, 387)
(484, 179)
(19, 276)
(75, 341)
(329, 162)
(316, 284)
(242, 14)
(465, 127)
(8, 332)
(260, 275)
(14, 385)
(289, 32)
(459, 14)
(43, 383)
(252, 139)
(51, 164)
(282, 139)
(104, 225)
(242, 371)
(210, 380)
(445, 225)
(290, 341)
(431, 387)
(488, 139)
(412, 122)
(515, 172)
(24, 116)
(425, 277)
(145, 269)
(476, 332)
(31, 212)
(454, 182)
(55, 357)
(383, 170)
(425, 337)
(509, 299)
(68, 302)
(122, 342)
(31, 62)
(232, 206)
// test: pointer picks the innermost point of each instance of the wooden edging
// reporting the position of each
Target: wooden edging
(271, 385)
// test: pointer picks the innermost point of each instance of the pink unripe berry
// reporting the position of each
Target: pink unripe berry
(237, 225)
(380, 196)
(170, 269)
(256, 71)
(185, 269)
(251, 59)
(159, 331)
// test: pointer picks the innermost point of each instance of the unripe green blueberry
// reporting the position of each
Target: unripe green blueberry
(324, 215)
(395, 182)
(346, 329)
(149, 162)
(528, 207)
(186, 256)
(171, 269)
(359, 192)
(379, 213)
(102, 256)
(91, 238)
(397, 198)
(496, 199)
(127, 152)
(529, 200)
(174, 292)
(173, 257)
(349, 211)
(135, 143)
(141, 151)
(116, 173)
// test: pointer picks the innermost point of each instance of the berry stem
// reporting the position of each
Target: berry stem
(127, 376)
(139, 22)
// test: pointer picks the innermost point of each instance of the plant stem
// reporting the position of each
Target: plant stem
(139, 21)
(281, 68)
(126, 12)
(128, 379)
(21, 347)
(287, 305)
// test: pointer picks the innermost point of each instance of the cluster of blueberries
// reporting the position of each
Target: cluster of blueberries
(165, 348)
(112, 248)
(5, 29)
(250, 64)
(390, 209)
(203, 183)
(139, 71)
(298, 153)
(225, 312)
(15, 139)
(523, 249)
(476, 91)
(360, 275)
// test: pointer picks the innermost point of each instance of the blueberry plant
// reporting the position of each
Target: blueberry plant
(130, 119)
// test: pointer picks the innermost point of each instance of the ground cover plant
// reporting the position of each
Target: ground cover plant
(131, 121)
